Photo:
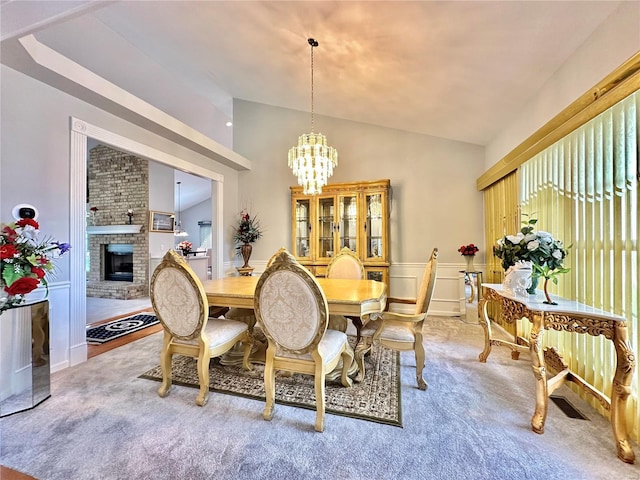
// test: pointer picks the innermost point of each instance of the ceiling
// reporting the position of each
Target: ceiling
(453, 69)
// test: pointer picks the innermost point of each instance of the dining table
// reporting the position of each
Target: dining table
(359, 300)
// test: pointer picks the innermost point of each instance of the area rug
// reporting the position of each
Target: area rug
(118, 328)
(377, 398)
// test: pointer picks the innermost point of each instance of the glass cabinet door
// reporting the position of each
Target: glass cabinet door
(302, 241)
(326, 227)
(348, 222)
(374, 211)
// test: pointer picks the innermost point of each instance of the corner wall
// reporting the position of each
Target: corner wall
(614, 42)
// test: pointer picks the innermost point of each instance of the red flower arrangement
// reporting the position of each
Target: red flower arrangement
(24, 261)
(467, 250)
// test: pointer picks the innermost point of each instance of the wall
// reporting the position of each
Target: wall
(190, 218)
(35, 168)
(161, 191)
(434, 200)
(614, 42)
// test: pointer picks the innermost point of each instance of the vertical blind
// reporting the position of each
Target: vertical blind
(501, 218)
(584, 191)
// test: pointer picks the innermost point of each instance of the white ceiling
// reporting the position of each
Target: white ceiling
(454, 69)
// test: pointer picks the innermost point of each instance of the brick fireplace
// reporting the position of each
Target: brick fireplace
(116, 183)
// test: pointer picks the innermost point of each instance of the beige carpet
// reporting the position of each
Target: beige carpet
(376, 398)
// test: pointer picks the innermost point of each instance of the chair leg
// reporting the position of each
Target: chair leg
(347, 361)
(248, 347)
(361, 350)
(165, 366)
(419, 348)
(203, 376)
(269, 384)
(319, 391)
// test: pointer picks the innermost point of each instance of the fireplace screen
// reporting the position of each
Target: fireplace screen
(118, 262)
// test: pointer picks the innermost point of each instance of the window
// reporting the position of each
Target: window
(205, 234)
(584, 190)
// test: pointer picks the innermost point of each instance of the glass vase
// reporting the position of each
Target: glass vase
(469, 259)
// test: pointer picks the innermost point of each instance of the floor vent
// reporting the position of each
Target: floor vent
(568, 409)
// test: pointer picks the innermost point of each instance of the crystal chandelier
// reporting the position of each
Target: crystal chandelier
(312, 160)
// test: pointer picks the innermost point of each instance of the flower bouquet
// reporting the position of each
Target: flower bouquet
(540, 248)
(247, 232)
(25, 261)
(466, 250)
(185, 246)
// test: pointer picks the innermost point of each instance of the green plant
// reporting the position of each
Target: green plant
(247, 230)
(539, 248)
(549, 273)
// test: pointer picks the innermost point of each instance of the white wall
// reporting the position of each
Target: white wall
(161, 188)
(614, 42)
(35, 168)
(190, 218)
(434, 200)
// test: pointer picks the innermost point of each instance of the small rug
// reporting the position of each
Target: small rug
(377, 398)
(117, 328)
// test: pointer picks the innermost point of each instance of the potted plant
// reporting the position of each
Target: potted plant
(469, 252)
(25, 261)
(545, 254)
(245, 233)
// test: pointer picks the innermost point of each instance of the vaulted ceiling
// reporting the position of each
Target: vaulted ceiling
(455, 69)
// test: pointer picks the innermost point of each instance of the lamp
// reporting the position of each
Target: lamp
(312, 160)
(178, 232)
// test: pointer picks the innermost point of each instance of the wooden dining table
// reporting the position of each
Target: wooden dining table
(352, 298)
(359, 300)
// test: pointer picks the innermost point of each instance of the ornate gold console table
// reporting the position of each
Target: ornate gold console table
(568, 316)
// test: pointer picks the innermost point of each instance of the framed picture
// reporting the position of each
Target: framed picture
(161, 221)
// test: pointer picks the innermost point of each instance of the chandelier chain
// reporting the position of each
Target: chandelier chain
(313, 43)
(312, 160)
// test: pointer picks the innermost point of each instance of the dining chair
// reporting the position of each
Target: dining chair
(247, 315)
(345, 264)
(180, 303)
(403, 332)
(292, 311)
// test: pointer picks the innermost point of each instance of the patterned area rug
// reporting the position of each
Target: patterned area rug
(117, 328)
(376, 398)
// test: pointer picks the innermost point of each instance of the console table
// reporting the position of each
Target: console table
(568, 316)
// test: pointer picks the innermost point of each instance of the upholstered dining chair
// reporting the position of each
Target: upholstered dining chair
(180, 303)
(403, 332)
(292, 311)
(247, 315)
(345, 264)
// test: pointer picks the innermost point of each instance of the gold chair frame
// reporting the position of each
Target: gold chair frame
(403, 332)
(303, 352)
(180, 303)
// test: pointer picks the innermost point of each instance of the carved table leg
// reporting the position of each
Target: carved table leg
(539, 372)
(621, 388)
(485, 323)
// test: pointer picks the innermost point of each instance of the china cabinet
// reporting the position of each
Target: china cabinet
(353, 215)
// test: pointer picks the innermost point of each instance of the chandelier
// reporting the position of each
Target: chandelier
(312, 160)
(178, 232)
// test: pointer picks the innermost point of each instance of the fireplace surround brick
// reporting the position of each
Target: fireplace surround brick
(118, 182)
